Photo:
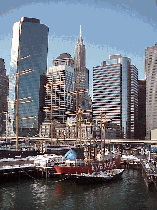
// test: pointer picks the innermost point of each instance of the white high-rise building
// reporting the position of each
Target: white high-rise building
(151, 89)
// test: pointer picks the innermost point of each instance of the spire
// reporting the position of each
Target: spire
(80, 30)
(80, 40)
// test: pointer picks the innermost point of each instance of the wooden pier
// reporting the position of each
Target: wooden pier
(11, 174)
(149, 172)
(130, 165)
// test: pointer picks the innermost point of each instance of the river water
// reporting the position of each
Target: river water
(130, 192)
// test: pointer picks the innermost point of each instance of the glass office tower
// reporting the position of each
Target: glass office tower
(30, 41)
(125, 96)
(3, 96)
(115, 92)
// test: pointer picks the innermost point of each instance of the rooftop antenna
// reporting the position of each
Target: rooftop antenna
(80, 30)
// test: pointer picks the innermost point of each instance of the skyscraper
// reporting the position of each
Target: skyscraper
(134, 102)
(4, 85)
(115, 91)
(30, 41)
(63, 74)
(141, 109)
(81, 74)
(151, 89)
(58, 93)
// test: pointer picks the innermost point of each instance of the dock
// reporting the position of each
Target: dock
(149, 172)
(12, 169)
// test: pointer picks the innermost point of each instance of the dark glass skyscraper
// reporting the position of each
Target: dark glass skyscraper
(4, 85)
(141, 109)
(30, 39)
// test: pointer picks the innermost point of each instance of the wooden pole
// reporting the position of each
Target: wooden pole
(80, 126)
(51, 114)
(90, 140)
(17, 90)
(101, 132)
(104, 133)
(76, 112)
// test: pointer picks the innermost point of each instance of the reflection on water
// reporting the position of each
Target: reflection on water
(130, 192)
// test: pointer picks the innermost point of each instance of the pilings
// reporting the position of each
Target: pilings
(15, 173)
(45, 172)
(126, 164)
(149, 172)
(12, 174)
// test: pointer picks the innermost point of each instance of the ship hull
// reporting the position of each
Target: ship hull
(99, 177)
(91, 167)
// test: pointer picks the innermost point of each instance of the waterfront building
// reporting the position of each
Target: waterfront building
(141, 109)
(115, 92)
(151, 89)
(4, 86)
(30, 41)
(62, 72)
(134, 101)
(81, 75)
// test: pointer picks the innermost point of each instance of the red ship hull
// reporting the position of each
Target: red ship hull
(93, 166)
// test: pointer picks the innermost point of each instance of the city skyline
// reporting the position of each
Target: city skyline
(135, 24)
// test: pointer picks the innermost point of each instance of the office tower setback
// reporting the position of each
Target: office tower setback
(62, 73)
(141, 109)
(115, 92)
(29, 53)
(151, 89)
(4, 85)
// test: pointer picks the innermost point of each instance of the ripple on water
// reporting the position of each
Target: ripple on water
(130, 192)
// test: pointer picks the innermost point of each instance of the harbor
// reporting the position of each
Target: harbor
(43, 165)
(31, 180)
(128, 192)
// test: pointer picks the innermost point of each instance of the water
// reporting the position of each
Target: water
(130, 192)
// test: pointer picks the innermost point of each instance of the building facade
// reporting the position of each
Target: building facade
(29, 53)
(115, 92)
(62, 100)
(4, 86)
(151, 89)
(141, 109)
(134, 102)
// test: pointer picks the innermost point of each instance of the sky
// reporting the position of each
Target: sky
(125, 27)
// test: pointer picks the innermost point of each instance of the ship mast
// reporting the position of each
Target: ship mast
(51, 114)
(103, 125)
(17, 90)
(104, 132)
